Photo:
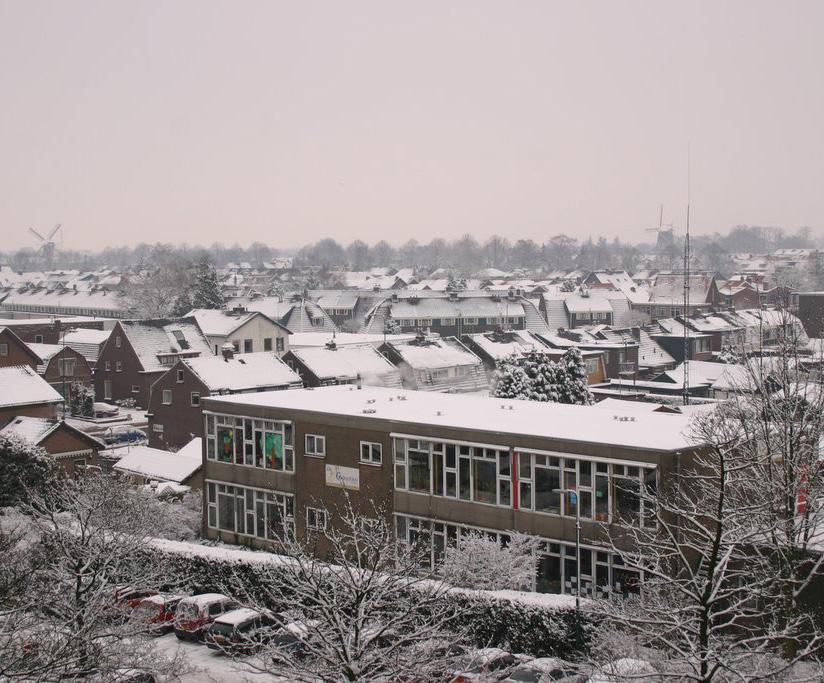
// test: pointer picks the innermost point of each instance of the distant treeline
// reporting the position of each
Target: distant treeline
(465, 255)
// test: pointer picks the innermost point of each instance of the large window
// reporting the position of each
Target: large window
(454, 470)
(65, 366)
(557, 569)
(266, 444)
(603, 490)
(251, 512)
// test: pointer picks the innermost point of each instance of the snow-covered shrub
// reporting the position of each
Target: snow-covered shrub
(81, 401)
(25, 469)
(480, 561)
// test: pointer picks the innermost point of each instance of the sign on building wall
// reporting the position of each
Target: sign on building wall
(343, 477)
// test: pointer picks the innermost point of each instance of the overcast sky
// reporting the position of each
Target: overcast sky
(286, 122)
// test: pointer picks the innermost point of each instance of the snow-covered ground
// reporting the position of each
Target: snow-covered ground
(205, 665)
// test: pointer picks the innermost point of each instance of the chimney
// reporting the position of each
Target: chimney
(636, 332)
(228, 351)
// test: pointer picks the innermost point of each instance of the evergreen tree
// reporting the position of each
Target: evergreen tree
(207, 288)
(574, 387)
(183, 304)
(81, 400)
(729, 355)
(543, 377)
(25, 469)
(510, 380)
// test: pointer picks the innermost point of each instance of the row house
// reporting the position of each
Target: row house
(14, 351)
(247, 331)
(666, 298)
(174, 403)
(138, 352)
(437, 465)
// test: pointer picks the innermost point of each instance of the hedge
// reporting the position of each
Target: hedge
(531, 623)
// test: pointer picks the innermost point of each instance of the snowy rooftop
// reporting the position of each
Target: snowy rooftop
(31, 429)
(152, 463)
(46, 351)
(346, 362)
(443, 307)
(151, 338)
(83, 335)
(244, 371)
(654, 431)
(312, 339)
(20, 385)
(500, 345)
(435, 353)
(221, 323)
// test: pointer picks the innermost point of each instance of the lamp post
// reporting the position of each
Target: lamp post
(573, 496)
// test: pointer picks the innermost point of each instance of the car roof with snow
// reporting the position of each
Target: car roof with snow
(238, 616)
(205, 599)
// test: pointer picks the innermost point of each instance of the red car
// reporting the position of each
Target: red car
(195, 614)
(130, 597)
(156, 613)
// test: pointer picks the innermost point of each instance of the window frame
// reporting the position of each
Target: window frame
(318, 514)
(315, 438)
(370, 460)
(194, 399)
(180, 377)
(167, 394)
(4, 349)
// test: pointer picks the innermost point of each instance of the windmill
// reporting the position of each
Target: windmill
(666, 238)
(47, 246)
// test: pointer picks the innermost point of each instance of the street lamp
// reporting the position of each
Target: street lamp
(573, 497)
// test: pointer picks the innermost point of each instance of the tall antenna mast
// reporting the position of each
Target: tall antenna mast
(687, 289)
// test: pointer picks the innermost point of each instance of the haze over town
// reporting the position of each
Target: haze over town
(195, 122)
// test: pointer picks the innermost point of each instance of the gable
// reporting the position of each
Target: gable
(65, 439)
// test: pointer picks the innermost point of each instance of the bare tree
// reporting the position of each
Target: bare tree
(368, 611)
(730, 547)
(83, 542)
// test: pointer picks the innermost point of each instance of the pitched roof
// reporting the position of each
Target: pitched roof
(152, 463)
(20, 385)
(434, 353)
(243, 372)
(345, 363)
(36, 429)
(221, 323)
(497, 345)
(161, 336)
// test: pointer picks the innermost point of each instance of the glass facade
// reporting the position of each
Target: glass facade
(602, 573)
(267, 444)
(250, 512)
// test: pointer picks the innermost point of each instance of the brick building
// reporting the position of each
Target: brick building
(138, 352)
(24, 392)
(174, 405)
(441, 464)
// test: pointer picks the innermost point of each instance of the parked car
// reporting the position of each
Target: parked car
(101, 409)
(156, 613)
(242, 630)
(541, 670)
(130, 597)
(292, 637)
(196, 613)
(123, 434)
(476, 665)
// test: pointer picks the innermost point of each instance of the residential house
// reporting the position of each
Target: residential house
(666, 297)
(61, 366)
(138, 352)
(87, 342)
(436, 364)
(673, 336)
(14, 351)
(73, 449)
(247, 331)
(174, 403)
(347, 364)
(25, 393)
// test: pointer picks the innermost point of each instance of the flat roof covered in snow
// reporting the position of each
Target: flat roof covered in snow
(654, 431)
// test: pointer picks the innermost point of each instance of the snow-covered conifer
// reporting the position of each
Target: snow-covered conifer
(574, 387)
(510, 379)
(25, 469)
(207, 288)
